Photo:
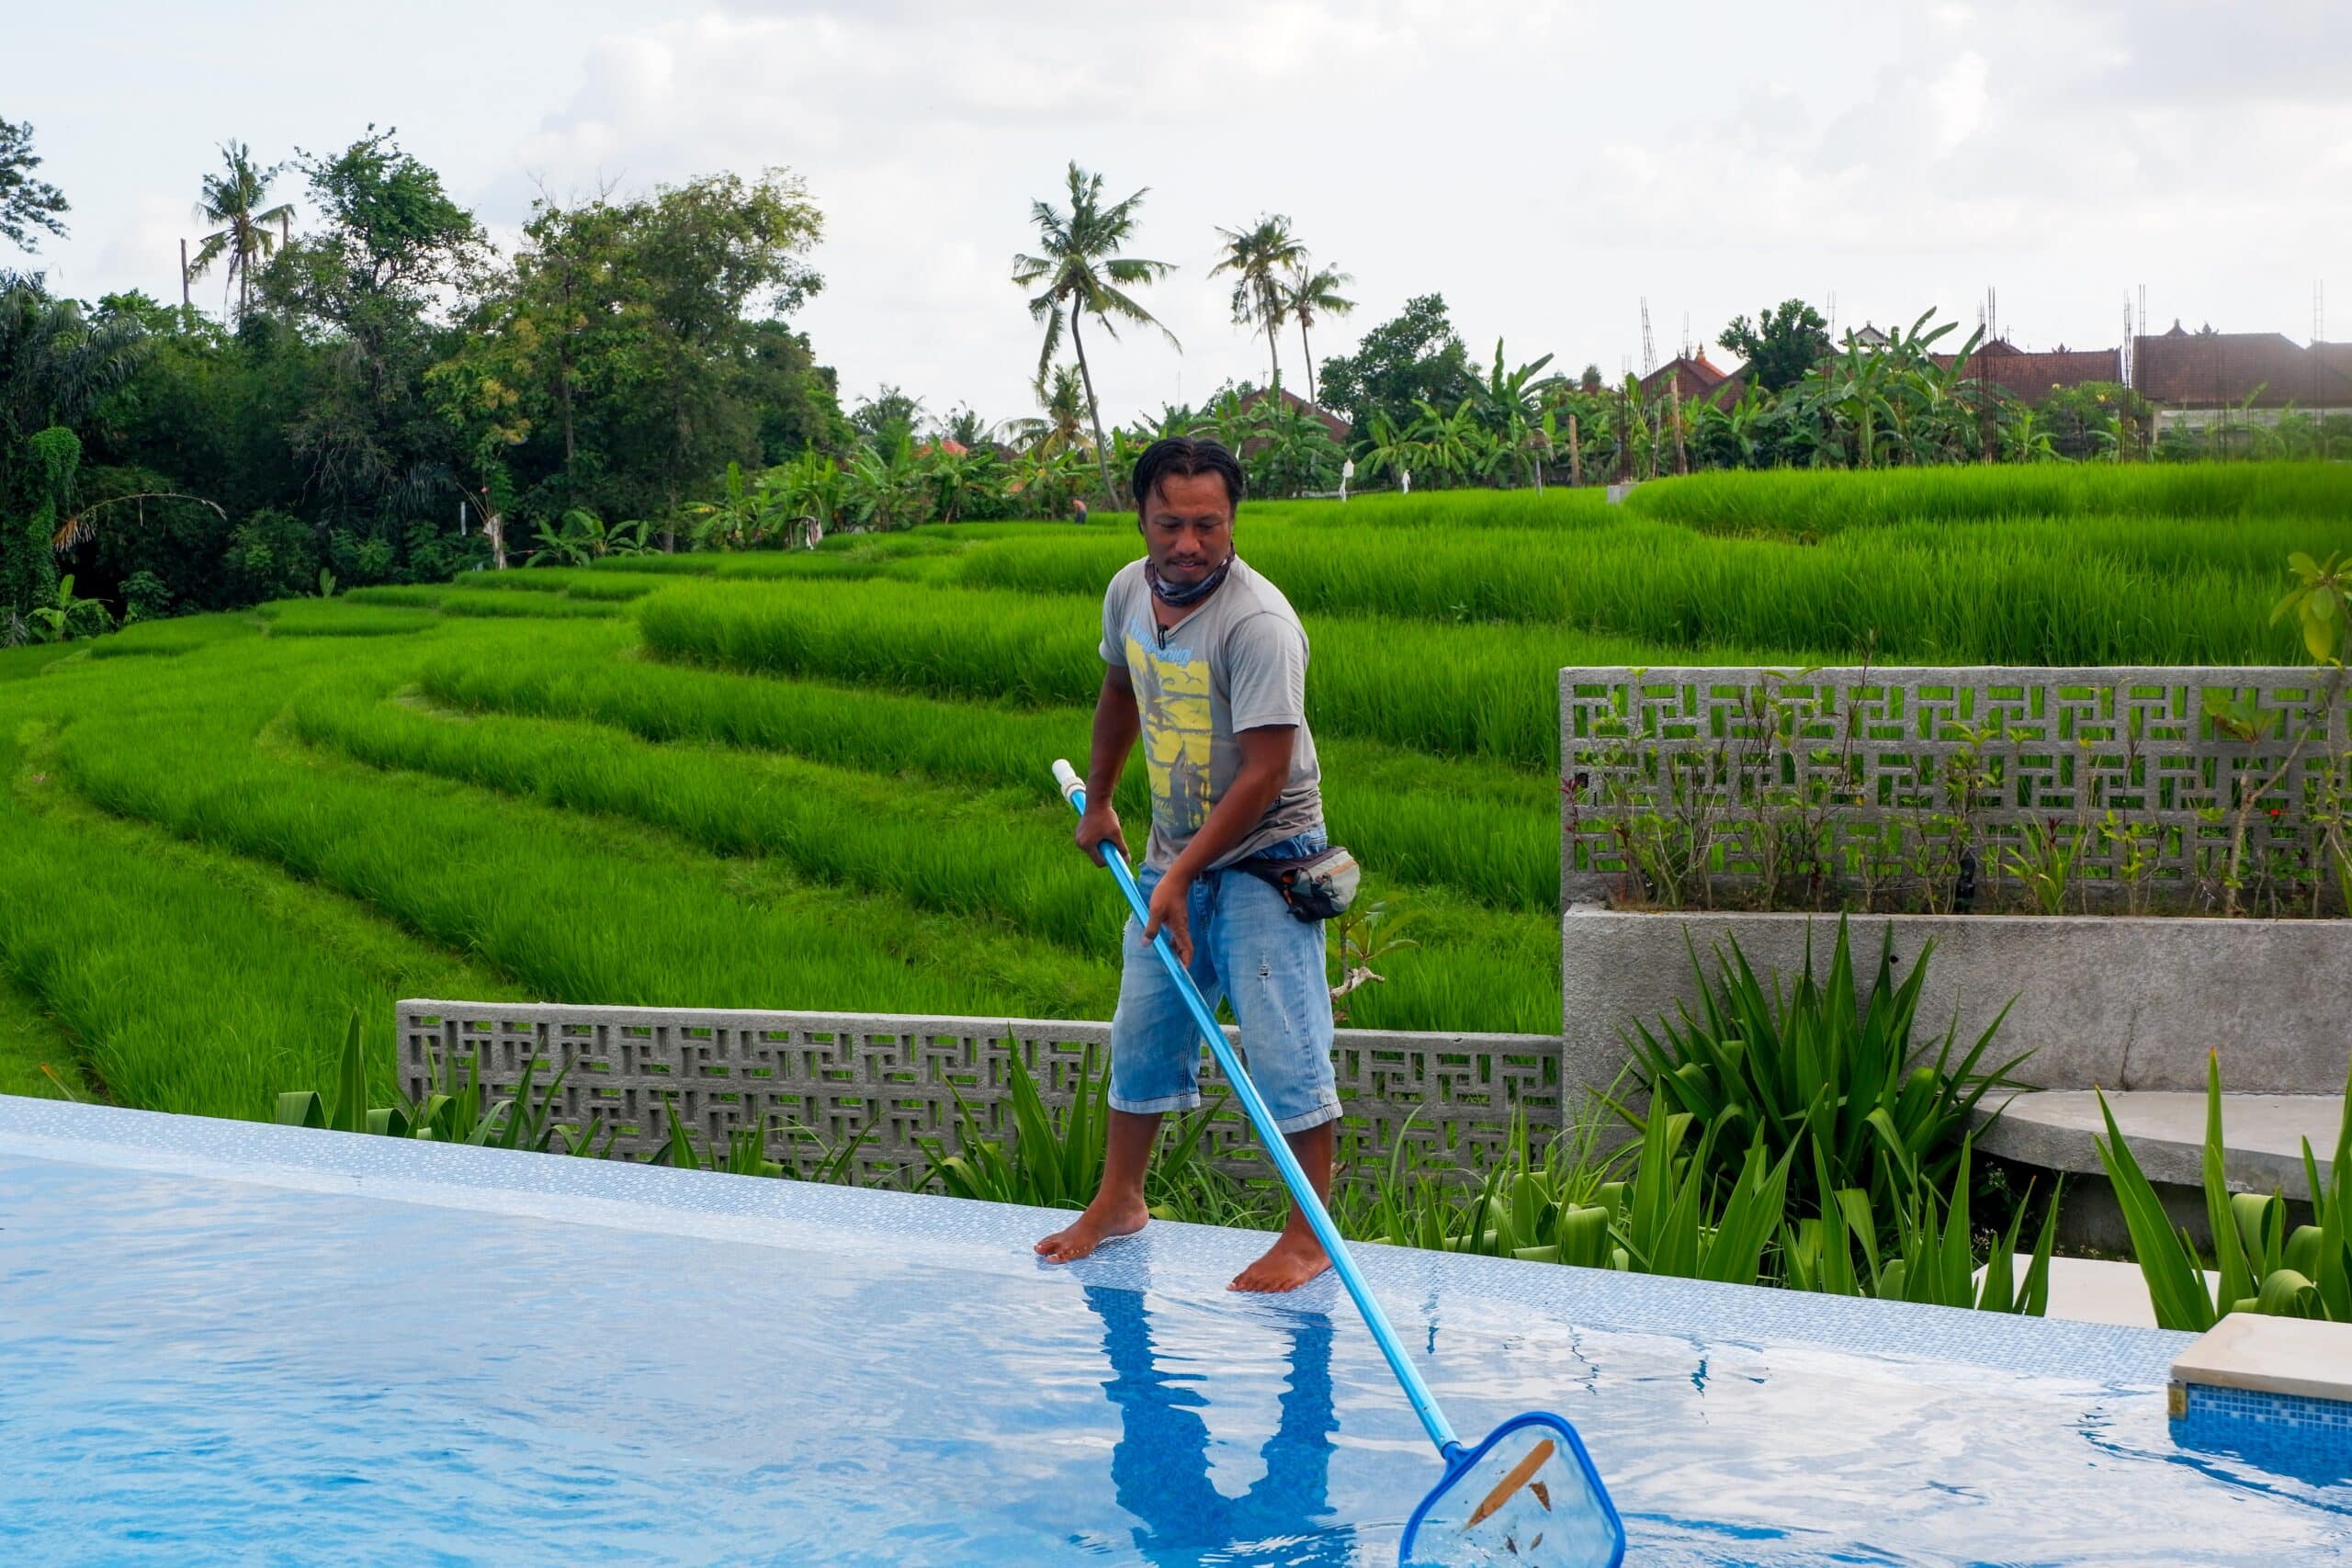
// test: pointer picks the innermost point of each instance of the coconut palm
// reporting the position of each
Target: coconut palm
(57, 363)
(1062, 428)
(233, 199)
(1082, 274)
(1309, 294)
(1257, 256)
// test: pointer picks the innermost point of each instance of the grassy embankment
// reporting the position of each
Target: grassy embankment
(818, 780)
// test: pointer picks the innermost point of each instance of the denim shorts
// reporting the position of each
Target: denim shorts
(1251, 950)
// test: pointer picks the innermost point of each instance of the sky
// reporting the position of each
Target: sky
(1544, 167)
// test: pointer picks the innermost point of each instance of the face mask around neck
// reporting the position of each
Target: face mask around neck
(1182, 598)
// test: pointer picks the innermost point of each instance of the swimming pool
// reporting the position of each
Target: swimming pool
(226, 1342)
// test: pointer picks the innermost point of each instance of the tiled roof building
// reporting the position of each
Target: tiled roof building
(1693, 377)
(2032, 376)
(2184, 371)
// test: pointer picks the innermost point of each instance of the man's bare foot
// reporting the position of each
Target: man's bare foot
(1295, 1258)
(1104, 1220)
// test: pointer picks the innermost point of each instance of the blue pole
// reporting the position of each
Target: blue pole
(1277, 1148)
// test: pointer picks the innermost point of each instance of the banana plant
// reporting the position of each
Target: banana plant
(1389, 450)
(1455, 446)
(585, 538)
(808, 489)
(1512, 404)
(68, 616)
(734, 520)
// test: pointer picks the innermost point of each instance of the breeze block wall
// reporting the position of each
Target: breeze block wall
(888, 1082)
(1919, 789)
(1890, 762)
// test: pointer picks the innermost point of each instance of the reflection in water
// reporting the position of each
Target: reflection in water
(1160, 1468)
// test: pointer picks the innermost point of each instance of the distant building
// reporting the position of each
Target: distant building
(2194, 378)
(1693, 377)
(2030, 376)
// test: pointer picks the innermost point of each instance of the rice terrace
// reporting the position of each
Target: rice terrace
(385, 794)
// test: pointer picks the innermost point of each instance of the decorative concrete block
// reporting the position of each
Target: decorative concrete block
(888, 1082)
(1894, 773)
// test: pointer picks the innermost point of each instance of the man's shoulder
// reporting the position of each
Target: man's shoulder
(1259, 595)
(1126, 583)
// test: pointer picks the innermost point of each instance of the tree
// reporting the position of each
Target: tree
(1293, 451)
(233, 199)
(888, 414)
(56, 365)
(1308, 293)
(645, 336)
(1062, 429)
(1782, 345)
(1414, 358)
(25, 203)
(373, 284)
(1082, 274)
(1257, 256)
(966, 429)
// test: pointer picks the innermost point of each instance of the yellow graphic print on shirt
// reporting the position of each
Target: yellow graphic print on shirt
(1174, 692)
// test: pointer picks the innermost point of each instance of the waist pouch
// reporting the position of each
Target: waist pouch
(1318, 886)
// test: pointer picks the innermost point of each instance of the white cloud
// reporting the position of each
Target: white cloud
(1544, 165)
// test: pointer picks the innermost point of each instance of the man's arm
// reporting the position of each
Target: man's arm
(1117, 725)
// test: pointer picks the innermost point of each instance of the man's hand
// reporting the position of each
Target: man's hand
(1098, 823)
(1169, 906)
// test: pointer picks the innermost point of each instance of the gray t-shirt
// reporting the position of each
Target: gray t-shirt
(1237, 661)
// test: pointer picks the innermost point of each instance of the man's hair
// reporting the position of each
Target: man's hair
(1182, 457)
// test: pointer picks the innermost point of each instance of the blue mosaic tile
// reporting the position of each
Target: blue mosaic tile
(2291, 1434)
(996, 1238)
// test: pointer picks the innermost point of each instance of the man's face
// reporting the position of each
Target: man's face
(1187, 524)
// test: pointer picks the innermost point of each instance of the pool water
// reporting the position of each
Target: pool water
(209, 1358)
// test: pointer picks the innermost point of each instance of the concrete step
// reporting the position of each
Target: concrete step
(2090, 1290)
(2166, 1131)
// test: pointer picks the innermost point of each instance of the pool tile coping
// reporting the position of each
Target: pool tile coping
(995, 1239)
(2300, 1357)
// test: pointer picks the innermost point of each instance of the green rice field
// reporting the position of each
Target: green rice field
(819, 780)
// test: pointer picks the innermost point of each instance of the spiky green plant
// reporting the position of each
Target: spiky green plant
(1759, 1065)
(2259, 1265)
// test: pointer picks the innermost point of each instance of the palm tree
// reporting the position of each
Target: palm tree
(1059, 430)
(233, 199)
(57, 364)
(1307, 295)
(1082, 274)
(1257, 257)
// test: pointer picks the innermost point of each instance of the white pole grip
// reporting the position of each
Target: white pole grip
(1066, 779)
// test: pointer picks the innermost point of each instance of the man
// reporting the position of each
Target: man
(1207, 662)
